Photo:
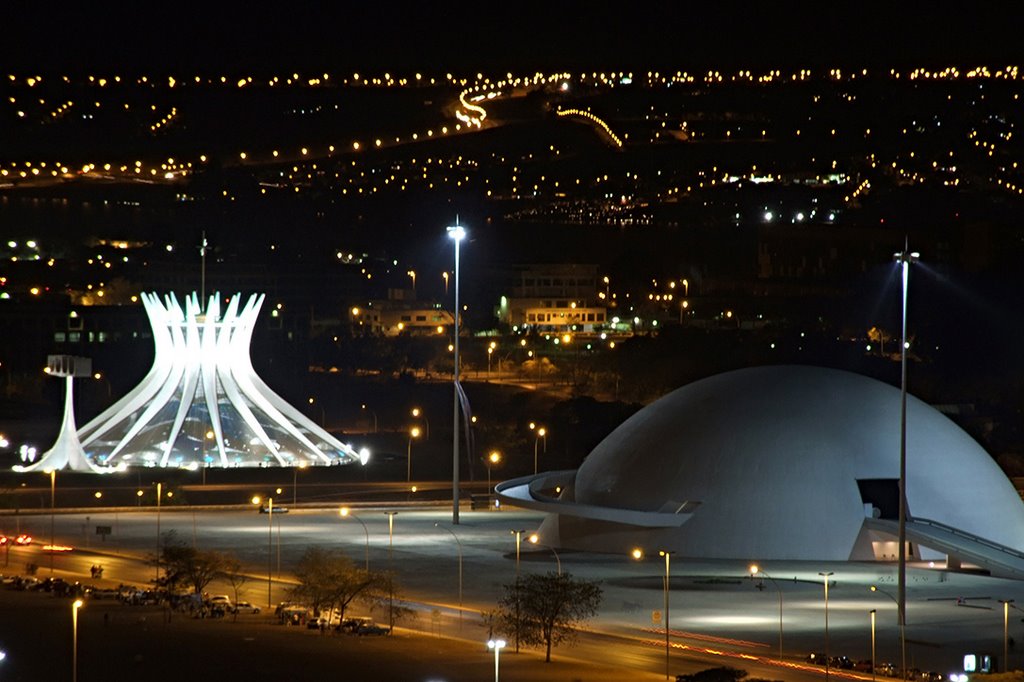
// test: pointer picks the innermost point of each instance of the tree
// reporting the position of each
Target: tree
(184, 565)
(233, 574)
(546, 609)
(330, 580)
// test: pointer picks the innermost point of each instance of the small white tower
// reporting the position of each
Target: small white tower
(67, 451)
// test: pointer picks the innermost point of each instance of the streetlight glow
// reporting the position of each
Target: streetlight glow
(456, 233)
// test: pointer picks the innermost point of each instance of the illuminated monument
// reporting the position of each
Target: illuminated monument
(202, 404)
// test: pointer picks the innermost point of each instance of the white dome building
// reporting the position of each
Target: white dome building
(784, 463)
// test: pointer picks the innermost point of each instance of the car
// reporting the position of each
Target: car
(4, 540)
(246, 607)
(363, 627)
(23, 539)
(264, 509)
(221, 600)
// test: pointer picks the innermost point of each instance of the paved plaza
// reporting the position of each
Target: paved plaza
(719, 615)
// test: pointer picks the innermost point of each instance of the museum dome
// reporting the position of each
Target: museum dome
(783, 462)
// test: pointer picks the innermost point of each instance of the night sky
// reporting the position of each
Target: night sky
(174, 37)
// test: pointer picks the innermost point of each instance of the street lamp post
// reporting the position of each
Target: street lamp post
(53, 498)
(903, 641)
(363, 407)
(757, 570)
(519, 539)
(668, 585)
(414, 432)
(825, 575)
(457, 233)
(75, 605)
(295, 481)
(345, 512)
(391, 570)
(159, 495)
(904, 258)
(270, 546)
(874, 613)
(417, 413)
(493, 459)
(638, 554)
(541, 433)
(535, 539)
(1006, 630)
(458, 544)
(496, 645)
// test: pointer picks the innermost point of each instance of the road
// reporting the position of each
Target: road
(719, 616)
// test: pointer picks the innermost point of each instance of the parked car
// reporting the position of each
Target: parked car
(223, 601)
(246, 607)
(23, 539)
(363, 626)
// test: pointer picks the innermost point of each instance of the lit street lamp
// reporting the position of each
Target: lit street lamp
(493, 459)
(519, 539)
(496, 645)
(904, 258)
(458, 544)
(391, 570)
(270, 546)
(903, 641)
(417, 413)
(159, 494)
(345, 512)
(1006, 625)
(295, 480)
(638, 554)
(75, 605)
(414, 432)
(757, 570)
(825, 575)
(541, 433)
(53, 491)
(323, 414)
(535, 540)
(874, 613)
(363, 407)
(457, 233)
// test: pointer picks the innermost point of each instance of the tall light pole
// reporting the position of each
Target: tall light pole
(295, 481)
(270, 546)
(458, 544)
(541, 433)
(825, 575)
(493, 459)
(363, 407)
(874, 613)
(535, 540)
(414, 433)
(417, 413)
(345, 512)
(458, 233)
(159, 494)
(391, 570)
(496, 645)
(53, 498)
(668, 586)
(638, 554)
(904, 258)
(75, 605)
(903, 641)
(1006, 630)
(757, 570)
(519, 540)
